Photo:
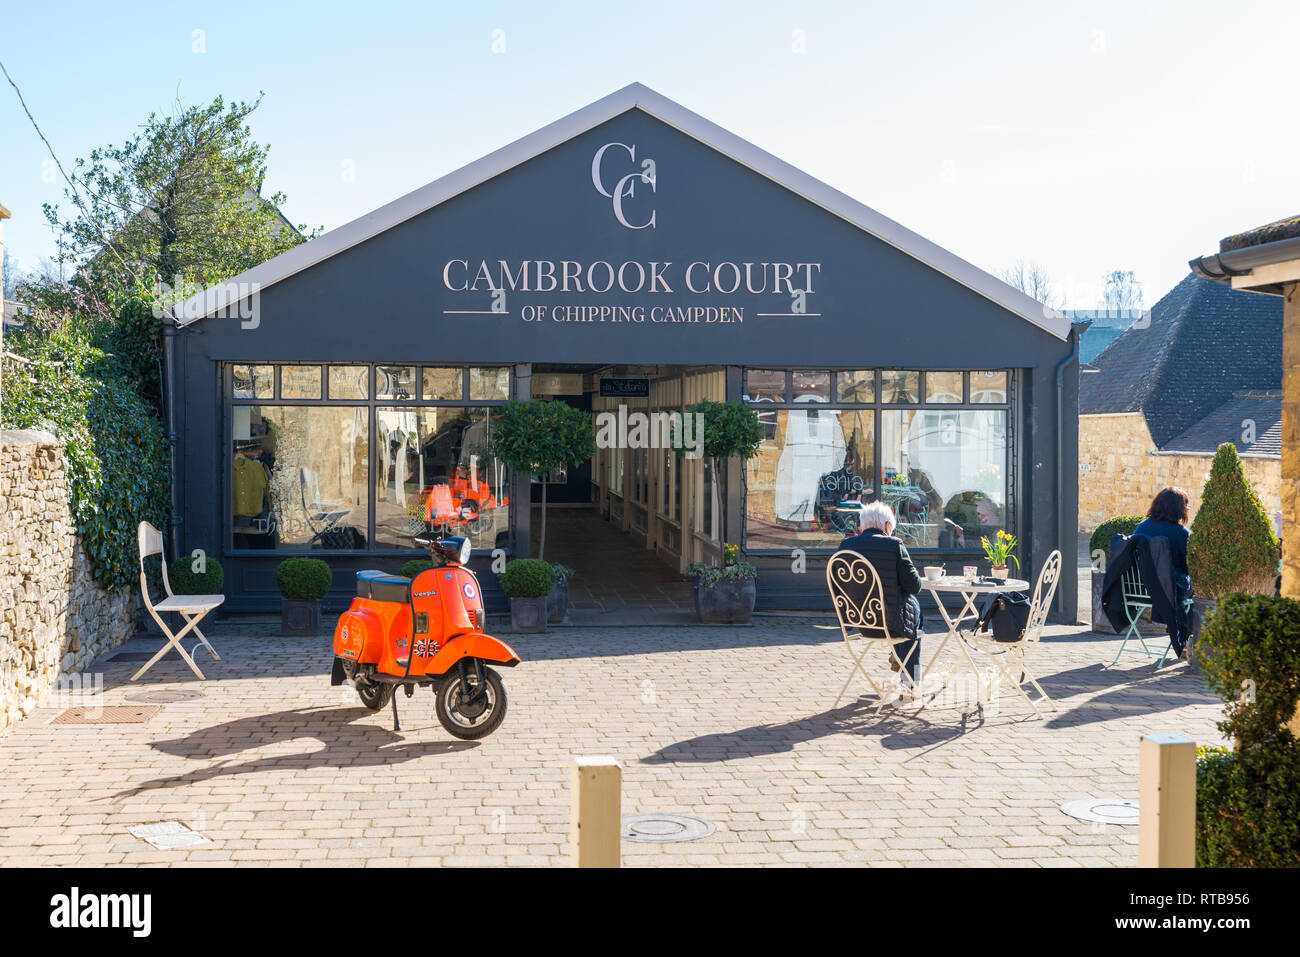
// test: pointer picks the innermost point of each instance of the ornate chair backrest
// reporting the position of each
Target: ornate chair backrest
(858, 596)
(151, 543)
(1044, 592)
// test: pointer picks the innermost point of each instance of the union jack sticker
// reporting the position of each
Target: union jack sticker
(425, 647)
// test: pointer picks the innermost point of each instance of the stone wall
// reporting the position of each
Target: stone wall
(54, 618)
(1120, 470)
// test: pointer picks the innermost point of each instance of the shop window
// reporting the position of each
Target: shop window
(765, 385)
(898, 387)
(857, 385)
(444, 383)
(299, 477)
(432, 465)
(944, 472)
(253, 382)
(395, 382)
(811, 386)
(300, 382)
(989, 387)
(941, 387)
(805, 484)
(349, 382)
(489, 383)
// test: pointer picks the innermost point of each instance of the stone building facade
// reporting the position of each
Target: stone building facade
(1120, 469)
(55, 619)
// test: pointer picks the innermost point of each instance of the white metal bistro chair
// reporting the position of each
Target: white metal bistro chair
(190, 607)
(1009, 656)
(1137, 599)
(859, 601)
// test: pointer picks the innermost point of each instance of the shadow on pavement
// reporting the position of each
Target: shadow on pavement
(346, 744)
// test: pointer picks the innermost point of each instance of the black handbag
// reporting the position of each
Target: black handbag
(1005, 616)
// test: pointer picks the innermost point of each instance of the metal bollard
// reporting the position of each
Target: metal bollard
(1167, 801)
(596, 823)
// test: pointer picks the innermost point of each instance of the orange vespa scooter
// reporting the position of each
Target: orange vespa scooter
(402, 632)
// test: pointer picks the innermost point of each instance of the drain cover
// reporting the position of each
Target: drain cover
(165, 695)
(109, 714)
(663, 828)
(168, 835)
(1103, 810)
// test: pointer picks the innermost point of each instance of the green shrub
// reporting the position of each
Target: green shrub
(1248, 800)
(187, 580)
(562, 572)
(414, 567)
(1232, 547)
(114, 449)
(527, 578)
(1119, 525)
(303, 578)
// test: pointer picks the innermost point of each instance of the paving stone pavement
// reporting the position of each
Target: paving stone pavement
(734, 724)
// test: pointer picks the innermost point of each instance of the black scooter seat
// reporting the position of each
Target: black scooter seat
(381, 586)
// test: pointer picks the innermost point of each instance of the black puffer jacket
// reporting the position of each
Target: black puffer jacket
(898, 578)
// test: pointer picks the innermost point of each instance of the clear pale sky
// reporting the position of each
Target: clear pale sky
(1086, 137)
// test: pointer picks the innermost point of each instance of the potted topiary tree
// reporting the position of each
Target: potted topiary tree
(1099, 554)
(725, 592)
(1248, 798)
(538, 437)
(527, 582)
(190, 575)
(303, 583)
(1232, 547)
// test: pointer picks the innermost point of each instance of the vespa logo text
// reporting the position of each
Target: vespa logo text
(625, 187)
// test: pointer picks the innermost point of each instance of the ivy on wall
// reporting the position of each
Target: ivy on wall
(115, 451)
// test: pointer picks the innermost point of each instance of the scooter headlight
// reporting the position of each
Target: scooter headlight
(464, 551)
(453, 549)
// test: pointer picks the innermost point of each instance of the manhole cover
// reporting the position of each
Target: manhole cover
(662, 828)
(165, 695)
(168, 835)
(109, 714)
(1103, 811)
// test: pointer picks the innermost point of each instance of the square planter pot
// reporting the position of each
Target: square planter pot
(300, 616)
(727, 602)
(528, 615)
(557, 602)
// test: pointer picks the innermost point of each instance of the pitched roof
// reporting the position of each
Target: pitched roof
(633, 96)
(1288, 228)
(1249, 412)
(1203, 343)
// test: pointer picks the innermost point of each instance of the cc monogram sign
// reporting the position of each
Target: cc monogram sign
(625, 187)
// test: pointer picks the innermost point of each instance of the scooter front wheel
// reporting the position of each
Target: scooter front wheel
(475, 715)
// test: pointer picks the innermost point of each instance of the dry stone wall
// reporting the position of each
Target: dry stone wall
(55, 619)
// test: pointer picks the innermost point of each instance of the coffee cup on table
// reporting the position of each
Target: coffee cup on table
(933, 572)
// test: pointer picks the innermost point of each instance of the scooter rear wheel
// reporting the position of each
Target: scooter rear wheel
(374, 695)
(476, 716)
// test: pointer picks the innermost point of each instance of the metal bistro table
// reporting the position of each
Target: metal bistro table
(969, 591)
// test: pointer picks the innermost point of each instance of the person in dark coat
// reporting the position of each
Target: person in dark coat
(1167, 518)
(898, 579)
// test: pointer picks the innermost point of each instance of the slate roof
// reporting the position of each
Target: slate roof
(1248, 412)
(1204, 343)
(1288, 228)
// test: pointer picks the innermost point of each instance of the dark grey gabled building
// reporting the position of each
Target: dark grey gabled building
(630, 258)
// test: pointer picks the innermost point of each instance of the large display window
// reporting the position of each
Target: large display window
(933, 445)
(306, 440)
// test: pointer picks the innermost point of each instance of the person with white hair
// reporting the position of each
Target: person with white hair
(876, 543)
